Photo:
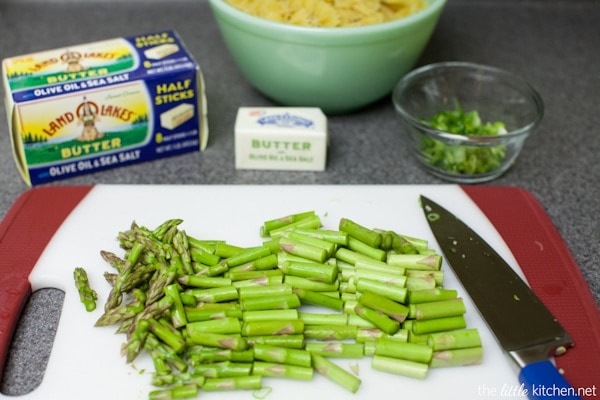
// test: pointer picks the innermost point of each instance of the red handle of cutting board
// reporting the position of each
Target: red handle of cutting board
(24, 233)
(552, 273)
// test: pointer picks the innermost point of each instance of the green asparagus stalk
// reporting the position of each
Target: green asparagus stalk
(303, 249)
(427, 295)
(226, 250)
(283, 355)
(457, 357)
(361, 247)
(262, 281)
(113, 260)
(354, 319)
(203, 281)
(176, 342)
(335, 373)
(390, 278)
(436, 276)
(250, 382)
(261, 264)
(289, 341)
(247, 292)
(181, 245)
(323, 319)
(455, 339)
(416, 261)
(369, 334)
(311, 240)
(395, 311)
(270, 315)
(223, 369)
(362, 233)
(387, 347)
(400, 367)
(298, 282)
(247, 255)
(437, 309)
(378, 266)
(402, 245)
(178, 392)
(279, 370)
(272, 327)
(350, 256)
(275, 302)
(336, 349)
(163, 356)
(136, 341)
(227, 325)
(422, 327)
(214, 295)
(218, 340)
(312, 222)
(319, 299)
(330, 332)
(206, 355)
(178, 315)
(115, 315)
(335, 237)
(238, 275)
(281, 222)
(320, 272)
(380, 320)
(395, 292)
(420, 283)
(201, 314)
(138, 277)
(204, 257)
(87, 295)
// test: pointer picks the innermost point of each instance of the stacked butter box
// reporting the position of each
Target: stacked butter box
(93, 106)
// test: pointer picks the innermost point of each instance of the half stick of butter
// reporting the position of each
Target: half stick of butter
(281, 138)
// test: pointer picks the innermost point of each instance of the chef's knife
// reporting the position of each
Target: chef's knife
(523, 326)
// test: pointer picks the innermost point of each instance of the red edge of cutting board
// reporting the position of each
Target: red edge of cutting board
(24, 233)
(551, 272)
(515, 213)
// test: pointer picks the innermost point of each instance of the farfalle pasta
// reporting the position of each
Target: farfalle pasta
(330, 13)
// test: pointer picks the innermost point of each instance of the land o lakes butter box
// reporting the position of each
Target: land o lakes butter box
(94, 106)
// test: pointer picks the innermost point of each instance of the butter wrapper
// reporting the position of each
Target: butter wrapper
(281, 138)
(89, 107)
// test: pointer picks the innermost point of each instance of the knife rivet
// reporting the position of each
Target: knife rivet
(560, 351)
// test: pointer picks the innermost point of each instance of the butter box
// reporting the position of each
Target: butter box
(89, 107)
(281, 138)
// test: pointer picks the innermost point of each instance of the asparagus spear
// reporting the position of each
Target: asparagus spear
(360, 232)
(336, 373)
(87, 295)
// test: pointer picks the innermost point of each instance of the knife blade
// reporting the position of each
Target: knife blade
(521, 323)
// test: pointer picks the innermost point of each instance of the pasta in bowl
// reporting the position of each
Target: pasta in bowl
(330, 13)
(337, 68)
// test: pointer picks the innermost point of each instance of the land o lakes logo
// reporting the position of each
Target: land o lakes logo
(88, 113)
(286, 120)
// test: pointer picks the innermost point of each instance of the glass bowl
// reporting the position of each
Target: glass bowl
(495, 96)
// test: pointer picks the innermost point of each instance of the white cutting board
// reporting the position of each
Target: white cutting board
(85, 362)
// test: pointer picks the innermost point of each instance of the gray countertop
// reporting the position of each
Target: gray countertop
(552, 44)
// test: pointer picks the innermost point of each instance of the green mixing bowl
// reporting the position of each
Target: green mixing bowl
(336, 69)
